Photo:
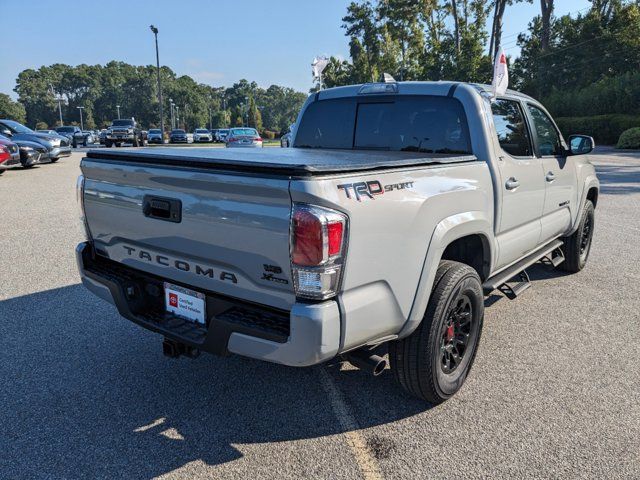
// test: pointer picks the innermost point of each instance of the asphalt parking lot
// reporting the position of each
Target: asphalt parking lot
(555, 390)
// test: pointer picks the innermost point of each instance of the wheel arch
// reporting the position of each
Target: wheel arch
(464, 237)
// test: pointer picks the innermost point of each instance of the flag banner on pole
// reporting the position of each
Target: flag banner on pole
(500, 74)
(318, 65)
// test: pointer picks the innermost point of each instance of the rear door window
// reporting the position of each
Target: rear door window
(511, 128)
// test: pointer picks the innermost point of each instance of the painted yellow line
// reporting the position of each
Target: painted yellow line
(366, 463)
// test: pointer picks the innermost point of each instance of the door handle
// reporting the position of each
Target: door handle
(550, 177)
(512, 184)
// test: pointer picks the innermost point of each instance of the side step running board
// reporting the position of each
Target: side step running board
(512, 291)
(504, 276)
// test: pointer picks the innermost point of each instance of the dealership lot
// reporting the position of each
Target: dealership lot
(554, 390)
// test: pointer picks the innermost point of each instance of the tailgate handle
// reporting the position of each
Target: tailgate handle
(161, 208)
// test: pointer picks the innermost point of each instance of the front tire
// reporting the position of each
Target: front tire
(578, 245)
(54, 160)
(433, 362)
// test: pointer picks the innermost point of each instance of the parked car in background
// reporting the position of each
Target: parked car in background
(89, 137)
(48, 132)
(57, 146)
(214, 134)
(155, 136)
(285, 140)
(244, 137)
(9, 154)
(32, 153)
(178, 136)
(125, 130)
(221, 134)
(75, 135)
(102, 136)
(202, 135)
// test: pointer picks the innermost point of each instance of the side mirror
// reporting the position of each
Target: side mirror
(6, 132)
(580, 144)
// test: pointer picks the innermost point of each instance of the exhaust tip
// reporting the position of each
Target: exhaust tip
(379, 368)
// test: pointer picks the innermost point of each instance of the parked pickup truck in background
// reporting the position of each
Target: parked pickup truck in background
(125, 130)
(399, 207)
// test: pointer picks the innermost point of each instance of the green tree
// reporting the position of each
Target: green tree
(11, 109)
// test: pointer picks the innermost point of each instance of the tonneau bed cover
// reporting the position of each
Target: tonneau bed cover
(282, 161)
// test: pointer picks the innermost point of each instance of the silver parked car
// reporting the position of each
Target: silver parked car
(243, 137)
(155, 136)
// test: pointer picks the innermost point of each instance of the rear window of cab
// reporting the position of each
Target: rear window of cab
(429, 124)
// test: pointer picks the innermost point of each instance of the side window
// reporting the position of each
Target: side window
(511, 129)
(545, 131)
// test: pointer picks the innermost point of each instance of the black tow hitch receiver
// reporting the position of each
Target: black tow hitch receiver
(173, 349)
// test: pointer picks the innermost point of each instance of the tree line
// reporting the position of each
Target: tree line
(458, 40)
(100, 89)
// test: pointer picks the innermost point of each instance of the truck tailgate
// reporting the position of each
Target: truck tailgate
(225, 232)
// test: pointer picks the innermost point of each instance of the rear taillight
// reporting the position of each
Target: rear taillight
(232, 139)
(258, 139)
(318, 247)
(4, 154)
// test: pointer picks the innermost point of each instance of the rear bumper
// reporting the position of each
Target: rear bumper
(307, 335)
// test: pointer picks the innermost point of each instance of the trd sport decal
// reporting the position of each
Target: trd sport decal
(371, 189)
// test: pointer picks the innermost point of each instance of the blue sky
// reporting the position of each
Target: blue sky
(215, 42)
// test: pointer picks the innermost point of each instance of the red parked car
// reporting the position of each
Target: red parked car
(9, 154)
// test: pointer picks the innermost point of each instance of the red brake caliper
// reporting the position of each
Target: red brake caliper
(449, 334)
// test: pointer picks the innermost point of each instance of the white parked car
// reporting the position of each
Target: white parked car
(202, 135)
(243, 137)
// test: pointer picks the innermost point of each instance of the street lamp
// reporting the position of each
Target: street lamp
(155, 32)
(81, 124)
(247, 103)
(58, 99)
(118, 107)
(177, 116)
(171, 105)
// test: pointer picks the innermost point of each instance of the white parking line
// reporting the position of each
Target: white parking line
(366, 463)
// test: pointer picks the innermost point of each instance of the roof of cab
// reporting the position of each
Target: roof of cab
(441, 87)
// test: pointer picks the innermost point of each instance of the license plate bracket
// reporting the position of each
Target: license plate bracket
(185, 303)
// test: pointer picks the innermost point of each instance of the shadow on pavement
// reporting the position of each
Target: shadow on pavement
(618, 180)
(86, 393)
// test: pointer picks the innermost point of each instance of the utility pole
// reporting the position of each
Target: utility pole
(81, 124)
(118, 108)
(171, 105)
(155, 32)
(210, 119)
(177, 116)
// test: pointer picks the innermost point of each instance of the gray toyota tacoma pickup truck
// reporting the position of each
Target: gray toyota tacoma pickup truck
(398, 209)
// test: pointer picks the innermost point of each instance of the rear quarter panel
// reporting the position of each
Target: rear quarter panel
(390, 235)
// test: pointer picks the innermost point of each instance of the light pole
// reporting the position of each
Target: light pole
(155, 32)
(172, 117)
(118, 108)
(58, 98)
(81, 124)
(210, 119)
(177, 116)
(247, 104)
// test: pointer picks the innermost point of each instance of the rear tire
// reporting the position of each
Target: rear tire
(433, 362)
(578, 245)
(54, 160)
(107, 144)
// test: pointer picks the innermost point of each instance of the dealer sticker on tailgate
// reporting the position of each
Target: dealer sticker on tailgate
(184, 303)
